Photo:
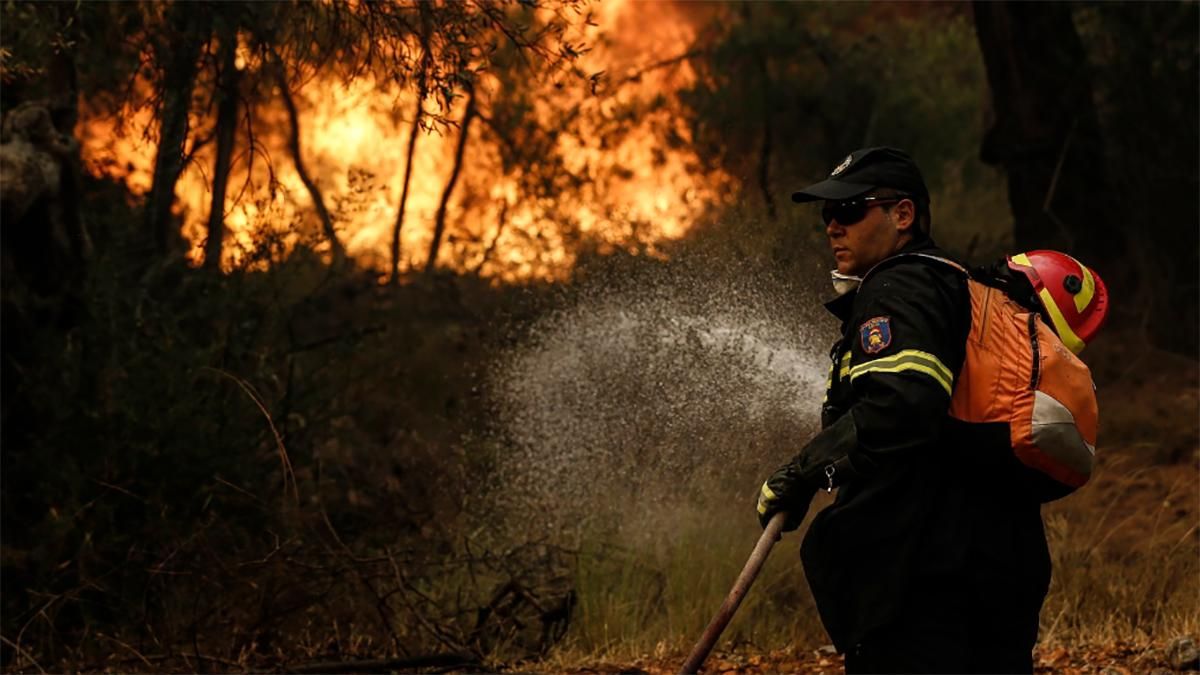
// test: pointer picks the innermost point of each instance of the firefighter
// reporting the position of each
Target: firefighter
(933, 556)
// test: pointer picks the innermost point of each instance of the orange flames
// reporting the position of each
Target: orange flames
(641, 191)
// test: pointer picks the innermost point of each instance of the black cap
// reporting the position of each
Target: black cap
(863, 171)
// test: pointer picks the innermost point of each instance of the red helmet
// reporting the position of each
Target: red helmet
(1073, 296)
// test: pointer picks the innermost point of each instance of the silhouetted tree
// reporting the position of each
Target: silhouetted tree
(1045, 133)
(228, 98)
(418, 113)
(440, 219)
(177, 45)
(336, 249)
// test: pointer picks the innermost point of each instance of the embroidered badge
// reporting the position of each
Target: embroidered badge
(842, 167)
(876, 334)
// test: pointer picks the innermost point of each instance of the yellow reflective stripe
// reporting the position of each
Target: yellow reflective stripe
(843, 371)
(910, 366)
(906, 355)
(768, 495)
(1068, 336)
(1084, 297)
(1022, 259)
(909, 359)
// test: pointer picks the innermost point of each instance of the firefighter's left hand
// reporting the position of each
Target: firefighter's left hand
(786, 491)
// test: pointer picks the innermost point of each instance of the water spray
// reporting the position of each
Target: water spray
(647, 383)
(647, 398)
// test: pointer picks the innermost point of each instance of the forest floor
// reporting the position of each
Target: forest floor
(1110, 659)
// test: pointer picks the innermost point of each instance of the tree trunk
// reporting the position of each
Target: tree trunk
(408, 165)
(1046, 133)
(65, 114)
(335, 246)
(227, 121)
(190, 29)
(422, 91)
(768, 141)
(1150, 101)
(440, 220)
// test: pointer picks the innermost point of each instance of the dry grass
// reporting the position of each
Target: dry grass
(1126, 569)
(653, 596)
(1126, 556)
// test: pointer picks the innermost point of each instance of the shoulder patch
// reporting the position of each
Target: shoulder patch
(875, 334)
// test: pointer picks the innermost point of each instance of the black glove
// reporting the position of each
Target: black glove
(785, 490)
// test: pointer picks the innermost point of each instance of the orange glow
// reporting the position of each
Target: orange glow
(354, 138)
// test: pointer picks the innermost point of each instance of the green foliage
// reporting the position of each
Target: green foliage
(49, 49)
(786, 90)
(831, 78)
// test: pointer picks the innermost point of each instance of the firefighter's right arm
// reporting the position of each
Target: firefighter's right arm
(824, 460)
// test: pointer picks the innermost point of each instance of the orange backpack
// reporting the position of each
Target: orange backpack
(1019, 372)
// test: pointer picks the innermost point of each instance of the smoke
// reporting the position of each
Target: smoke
(671, 387)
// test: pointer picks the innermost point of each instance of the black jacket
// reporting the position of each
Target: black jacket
(923, 500)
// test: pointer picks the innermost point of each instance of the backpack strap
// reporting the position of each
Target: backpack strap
(938, 258)
(926, 256)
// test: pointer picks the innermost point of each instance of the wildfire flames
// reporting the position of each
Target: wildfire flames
(645, 189)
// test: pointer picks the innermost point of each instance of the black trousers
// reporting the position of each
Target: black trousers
(952, 629)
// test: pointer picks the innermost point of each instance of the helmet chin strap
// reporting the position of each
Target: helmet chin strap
(843, 283)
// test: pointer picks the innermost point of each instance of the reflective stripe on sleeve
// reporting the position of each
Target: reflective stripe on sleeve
(909, 359)
(768, 495)
(842, 368)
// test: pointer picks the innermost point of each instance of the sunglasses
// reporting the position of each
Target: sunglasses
(851, 211)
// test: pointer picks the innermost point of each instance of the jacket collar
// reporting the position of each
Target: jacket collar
(842, 305)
